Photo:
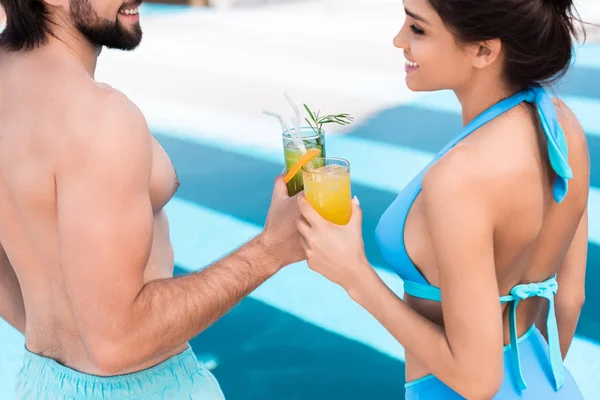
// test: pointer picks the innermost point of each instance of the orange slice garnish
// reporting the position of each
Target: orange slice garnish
(306, 157)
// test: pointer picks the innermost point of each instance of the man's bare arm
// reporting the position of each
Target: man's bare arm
(12, 309)
(105, 232)
(173, 311)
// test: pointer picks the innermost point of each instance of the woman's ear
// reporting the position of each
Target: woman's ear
(486, 53)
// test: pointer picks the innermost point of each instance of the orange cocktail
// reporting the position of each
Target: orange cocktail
(327, 188)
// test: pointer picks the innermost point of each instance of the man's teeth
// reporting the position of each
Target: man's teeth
(412, 64)
(130, 11)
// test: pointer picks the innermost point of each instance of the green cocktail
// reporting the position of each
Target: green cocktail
(291, 153)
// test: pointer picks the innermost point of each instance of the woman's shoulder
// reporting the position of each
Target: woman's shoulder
(465, 172)
(498, 161)
(505, 145)
(491, 157)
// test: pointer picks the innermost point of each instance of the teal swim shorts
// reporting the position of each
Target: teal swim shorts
(179, 377)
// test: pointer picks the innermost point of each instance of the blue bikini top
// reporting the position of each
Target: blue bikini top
(389, 233)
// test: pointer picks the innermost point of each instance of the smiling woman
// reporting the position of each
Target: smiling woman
(486, 233)
(535, 39)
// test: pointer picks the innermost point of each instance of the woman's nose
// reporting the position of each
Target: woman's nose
(400, 40)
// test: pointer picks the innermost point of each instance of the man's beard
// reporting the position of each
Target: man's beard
(103, 32)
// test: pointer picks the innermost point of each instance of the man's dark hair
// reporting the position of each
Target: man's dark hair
(27, 24)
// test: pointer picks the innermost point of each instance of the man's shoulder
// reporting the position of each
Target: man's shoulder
(101, 103)
(103, 122)
(99, 112)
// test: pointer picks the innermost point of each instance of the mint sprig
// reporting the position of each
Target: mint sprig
(317, 122)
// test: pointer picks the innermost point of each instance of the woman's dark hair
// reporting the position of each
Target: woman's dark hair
(537, 35)
(27, 24)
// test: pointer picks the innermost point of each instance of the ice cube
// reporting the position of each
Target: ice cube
(332, 170)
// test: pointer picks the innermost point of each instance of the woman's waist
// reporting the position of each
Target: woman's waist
(528, 314)
(531, 343)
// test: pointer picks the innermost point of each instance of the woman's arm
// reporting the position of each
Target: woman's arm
(571, 293)
(571, 274)
(467, 354)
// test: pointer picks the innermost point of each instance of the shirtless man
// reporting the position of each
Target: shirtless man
(85, 259)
